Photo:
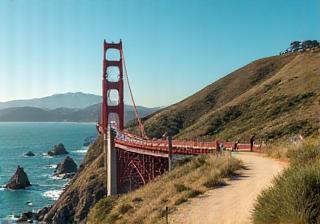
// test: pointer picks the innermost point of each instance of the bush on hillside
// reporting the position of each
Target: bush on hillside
(304, 155)
(295, 195)
(300, 46)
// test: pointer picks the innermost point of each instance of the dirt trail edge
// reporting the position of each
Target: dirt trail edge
(232, 203)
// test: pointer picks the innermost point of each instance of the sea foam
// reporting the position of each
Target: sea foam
(53, 166)
(53, 194)
(80, 151)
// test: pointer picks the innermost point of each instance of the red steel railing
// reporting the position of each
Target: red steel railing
(178, 146)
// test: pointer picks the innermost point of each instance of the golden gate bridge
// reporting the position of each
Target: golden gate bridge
(131, 160)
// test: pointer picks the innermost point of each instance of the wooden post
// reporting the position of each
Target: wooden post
(170, 153)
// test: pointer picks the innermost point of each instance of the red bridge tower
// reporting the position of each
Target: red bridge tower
(109, 109)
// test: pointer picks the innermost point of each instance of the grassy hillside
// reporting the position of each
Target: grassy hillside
(148, 204)
(272, 97)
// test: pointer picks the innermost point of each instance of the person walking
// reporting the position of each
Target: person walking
(217, 146)
(252, 140)
(235, 146)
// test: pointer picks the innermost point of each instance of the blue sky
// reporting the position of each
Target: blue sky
(173, 48)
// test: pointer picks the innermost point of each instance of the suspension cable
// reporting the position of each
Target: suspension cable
(143, 134)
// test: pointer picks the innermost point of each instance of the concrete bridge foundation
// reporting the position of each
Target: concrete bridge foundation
(110, 162)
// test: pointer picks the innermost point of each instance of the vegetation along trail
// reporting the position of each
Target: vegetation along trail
(234, 202)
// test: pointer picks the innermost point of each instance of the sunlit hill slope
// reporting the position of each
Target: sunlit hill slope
(274, 98)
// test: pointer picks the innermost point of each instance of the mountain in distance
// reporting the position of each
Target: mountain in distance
(274, 98)
(88, 114)
(67, 100)
(82, 108)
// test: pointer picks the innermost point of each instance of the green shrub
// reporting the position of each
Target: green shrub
(193, 193)
(105, 206)
(198, 161)
(181, 187)
(137, 199)
(181, 200)
(304, 155)
(295, 195)
(124, 208)
(214, 182)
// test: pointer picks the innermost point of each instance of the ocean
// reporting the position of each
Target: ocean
(17, 138)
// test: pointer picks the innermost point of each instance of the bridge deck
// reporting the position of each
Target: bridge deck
(160, 148)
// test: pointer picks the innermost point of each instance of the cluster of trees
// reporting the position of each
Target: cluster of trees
(300, 46)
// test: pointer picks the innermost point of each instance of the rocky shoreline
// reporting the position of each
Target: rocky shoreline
(85, 187)
(83, 191)
(66, 169)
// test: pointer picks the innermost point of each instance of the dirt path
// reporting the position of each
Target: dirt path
(232, 203)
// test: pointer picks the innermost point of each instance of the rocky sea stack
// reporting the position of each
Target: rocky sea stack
(29, 154)
(19, 180)
(67, 166)
(58, 150)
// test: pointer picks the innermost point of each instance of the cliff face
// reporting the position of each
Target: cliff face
(84, 190)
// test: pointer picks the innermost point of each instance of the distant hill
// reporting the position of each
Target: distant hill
(88, 114)
(69, 107)
(274, 98)
(66, 100)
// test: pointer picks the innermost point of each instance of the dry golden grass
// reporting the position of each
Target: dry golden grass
(285, 150)
(148, 204)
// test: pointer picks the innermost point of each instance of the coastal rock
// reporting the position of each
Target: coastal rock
(19, 180)
(42, 212)
(29, 154)
(89, 140)
(85, 189)
(28, 217)
(67, 175)
(58, 150)
(67, 166)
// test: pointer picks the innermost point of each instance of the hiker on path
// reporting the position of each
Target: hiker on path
(252, 139)
(235, 146)
(217, 146)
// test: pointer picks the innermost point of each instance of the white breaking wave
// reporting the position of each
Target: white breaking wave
(45, 155)
(81, 151)
(53, 194)
(53, 166)
(11, 218)
(56, 177)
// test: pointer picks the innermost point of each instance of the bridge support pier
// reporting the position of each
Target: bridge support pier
(110, 162)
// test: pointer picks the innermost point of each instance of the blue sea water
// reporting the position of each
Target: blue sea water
(16, 138)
